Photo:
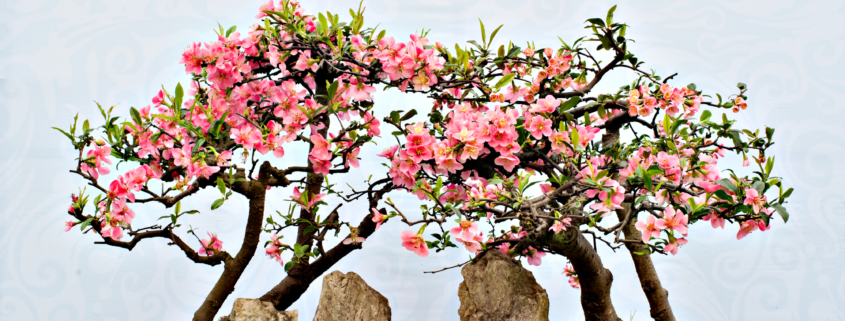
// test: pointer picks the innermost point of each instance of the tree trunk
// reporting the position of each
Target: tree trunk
(300, 276)
(658, 297)
(595, 279)
(236, 266)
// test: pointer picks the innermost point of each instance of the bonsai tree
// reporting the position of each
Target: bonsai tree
(502, 122)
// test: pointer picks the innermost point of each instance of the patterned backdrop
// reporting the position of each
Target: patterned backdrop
(57, 57)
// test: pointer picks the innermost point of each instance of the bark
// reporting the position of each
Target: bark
(300, 276)
(235, 267)
(595, 278)
(657, 296)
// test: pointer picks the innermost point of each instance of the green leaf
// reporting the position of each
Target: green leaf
(765, 218)
(178, 207)
(177, 100)
(66, 134)
(309, 229)
(505, 80)
(231, 30)
(727, 184)
(221, 185)
(288, 265)
(324, 25)
(769, 165)
(85, 224)
(570, 103)
(759, 186)
(667, 124)
(217, 204)
(409, 114)
(647, 179)
(610, 14)
(785, 195)
(596, 21)
(85, 126)
(492, 35)
(722, 195)
(782, 211)
(483, 33)
(705, 115)
(394, 115)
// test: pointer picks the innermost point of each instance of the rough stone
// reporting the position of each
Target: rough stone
(346, 297)
(497, 289)
(257, 310)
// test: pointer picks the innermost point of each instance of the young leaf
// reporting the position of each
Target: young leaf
(610, 15)
(217, 204)
(782, 211)
(221, 185)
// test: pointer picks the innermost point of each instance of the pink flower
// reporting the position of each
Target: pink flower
(275, 248)
(648, 228)
(68, 226)
(414, 243)
(574, 282)
(746, 228)
(715, 220)
(513, 94)
(210, 246)
(389, 152)
(535, 256)
(321, 147)
(507, 161)
(248, 137)
(354, 239)
(546, 105)
(378, 218)
(359, 91)
(672, 247)
(561, 225)
(474, 244)
(673, 220)
(304, 200)
(753, 198)
(466, 230)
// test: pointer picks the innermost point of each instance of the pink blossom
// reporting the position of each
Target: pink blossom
(359, 91)
(247, 136)
(746, 228)
(378, 218)
(354, 239)
(535, 256)
(574, 282)
(275, 248)
(753, 198)
(648, 228)
(414, 243)
(210, 246)
(466, 230)
(68, 225)
(389, 152)
(546, 105)
(472, 245)
(715, 220)
(673, 220)
(507, 161)
(561, 225)
(672, 247)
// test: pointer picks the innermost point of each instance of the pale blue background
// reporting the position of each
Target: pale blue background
(56, 57)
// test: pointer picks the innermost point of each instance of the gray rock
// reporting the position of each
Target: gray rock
(346, 297)
(497, 289)
(257, 310)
